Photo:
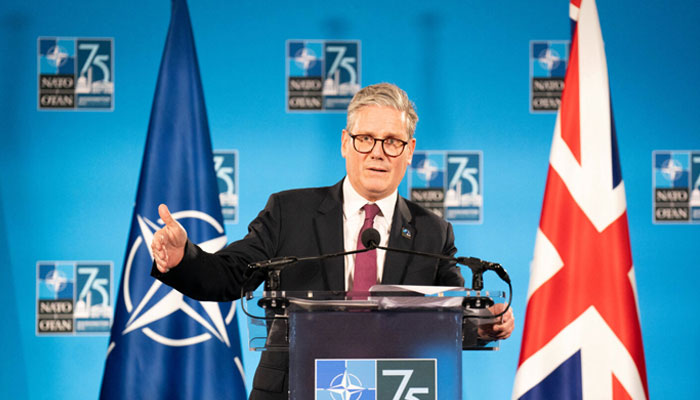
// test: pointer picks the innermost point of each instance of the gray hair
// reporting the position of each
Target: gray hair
(384, 94)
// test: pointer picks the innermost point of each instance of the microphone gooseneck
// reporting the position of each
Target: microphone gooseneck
(370, 239)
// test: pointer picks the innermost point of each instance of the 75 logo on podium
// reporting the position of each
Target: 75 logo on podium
(376, 379)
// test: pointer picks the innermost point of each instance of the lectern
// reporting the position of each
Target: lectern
(394, 342)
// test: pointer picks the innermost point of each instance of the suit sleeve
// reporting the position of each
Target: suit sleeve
(221, 276)
(448, 273)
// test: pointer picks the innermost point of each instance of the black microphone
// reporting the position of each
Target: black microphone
(370, 238)
(498, 269)
(479, 266)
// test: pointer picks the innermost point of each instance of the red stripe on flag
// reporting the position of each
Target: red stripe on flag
(570, 117)
(577, 3)
(595, 273)
(618, 391)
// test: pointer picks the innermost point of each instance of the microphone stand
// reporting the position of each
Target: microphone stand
(274, 267)
(477, 266)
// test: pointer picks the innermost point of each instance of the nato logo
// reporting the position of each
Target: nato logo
(226, 167)
(56, 60)
(376, 379)
(676, 186)
(449, 183)
(162, 313)
(346, 380)
(548, 62)
(322, 75)
(74, 297)
(427, 180)
(75, 73)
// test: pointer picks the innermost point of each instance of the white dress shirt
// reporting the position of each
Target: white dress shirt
(354, 218)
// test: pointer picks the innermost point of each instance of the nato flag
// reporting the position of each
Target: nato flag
(164, 345)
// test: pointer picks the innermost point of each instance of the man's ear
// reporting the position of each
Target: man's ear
(411, 146)
(344, 141)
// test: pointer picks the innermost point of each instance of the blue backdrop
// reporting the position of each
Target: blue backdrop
(68, 180)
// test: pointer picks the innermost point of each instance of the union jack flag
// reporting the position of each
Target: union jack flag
(582, 337)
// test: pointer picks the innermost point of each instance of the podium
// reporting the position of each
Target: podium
(391, 343)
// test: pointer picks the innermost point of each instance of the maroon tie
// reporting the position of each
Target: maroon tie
(366, 263)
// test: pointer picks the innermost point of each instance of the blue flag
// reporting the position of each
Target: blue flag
(165, 345)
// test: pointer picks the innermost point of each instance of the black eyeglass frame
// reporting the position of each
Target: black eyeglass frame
(375, 143)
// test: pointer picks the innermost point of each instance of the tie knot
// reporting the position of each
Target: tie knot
(371, 211)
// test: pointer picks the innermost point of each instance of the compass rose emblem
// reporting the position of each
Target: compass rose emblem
(160, 302)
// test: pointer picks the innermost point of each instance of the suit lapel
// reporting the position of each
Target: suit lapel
(329, 236)
(401, 236)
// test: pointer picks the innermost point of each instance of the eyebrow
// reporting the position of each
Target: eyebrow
(390, 135)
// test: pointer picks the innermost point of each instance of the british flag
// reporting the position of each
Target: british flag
(582, 337)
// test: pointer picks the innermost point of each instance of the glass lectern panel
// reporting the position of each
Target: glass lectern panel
(268, 311)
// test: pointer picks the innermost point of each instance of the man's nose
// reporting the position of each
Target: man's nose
(378, 150)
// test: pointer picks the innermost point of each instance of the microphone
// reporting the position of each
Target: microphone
(498, 269)
(479, 266)
(370, 238)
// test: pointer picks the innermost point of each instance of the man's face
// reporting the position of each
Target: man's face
(376, 175)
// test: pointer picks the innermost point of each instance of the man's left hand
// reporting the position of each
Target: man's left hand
(502, 328)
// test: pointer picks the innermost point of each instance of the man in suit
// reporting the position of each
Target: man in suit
(377, 145)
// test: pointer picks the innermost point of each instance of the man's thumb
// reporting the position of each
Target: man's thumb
(165, 215)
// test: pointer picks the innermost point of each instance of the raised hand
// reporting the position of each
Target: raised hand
(168, 244)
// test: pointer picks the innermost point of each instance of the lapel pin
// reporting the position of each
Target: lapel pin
(406, 233)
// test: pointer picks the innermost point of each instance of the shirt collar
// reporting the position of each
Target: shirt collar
(353, 202)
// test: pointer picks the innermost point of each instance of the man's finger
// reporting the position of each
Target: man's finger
(160, 264)
(165, 215)
(158, 242)
(162, 269)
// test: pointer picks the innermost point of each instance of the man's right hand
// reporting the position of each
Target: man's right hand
(168, 244)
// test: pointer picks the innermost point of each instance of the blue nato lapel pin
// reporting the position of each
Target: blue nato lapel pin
(406, 233)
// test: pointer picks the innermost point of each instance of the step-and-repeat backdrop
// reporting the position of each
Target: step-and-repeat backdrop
(78, 81)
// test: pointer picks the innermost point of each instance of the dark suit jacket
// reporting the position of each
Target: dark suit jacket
(309, 222)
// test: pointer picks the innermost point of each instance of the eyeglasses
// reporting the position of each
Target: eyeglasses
(364, 144)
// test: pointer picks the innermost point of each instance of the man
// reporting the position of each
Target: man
(377, 145)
